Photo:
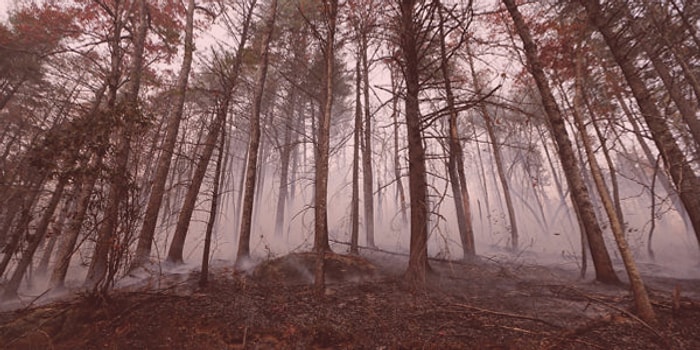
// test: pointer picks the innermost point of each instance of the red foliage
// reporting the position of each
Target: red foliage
(41, 26)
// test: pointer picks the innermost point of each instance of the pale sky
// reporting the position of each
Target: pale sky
(5, 6)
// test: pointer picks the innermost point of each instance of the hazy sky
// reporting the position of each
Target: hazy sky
(4, 7)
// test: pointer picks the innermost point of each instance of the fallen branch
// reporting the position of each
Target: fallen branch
(514, 329)
(619, 309)
(507, 314)
(380, 250)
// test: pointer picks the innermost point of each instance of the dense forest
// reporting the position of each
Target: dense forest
(137, 135)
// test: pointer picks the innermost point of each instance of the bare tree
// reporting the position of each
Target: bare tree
(683, 175)
(143, 249)
(455, 163)
(601, 258)
(254, 141)
(227, 80)
(410, 30)
(641, 298)
(118, 191)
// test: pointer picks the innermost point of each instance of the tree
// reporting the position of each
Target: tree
(227, 80)
(355, 201)
(330, 12)
(148, 228)
(365, 28)
(579, 192)
(410, 30)
(683, 175)
(498, 158)
(204, 274)
(254, 141)
(455, 162)
(641, 297)
(128, 111)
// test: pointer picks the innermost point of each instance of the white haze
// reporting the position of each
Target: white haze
(676, 248)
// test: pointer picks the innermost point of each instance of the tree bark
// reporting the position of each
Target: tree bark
(204, 274)
(355, 201)
(683, 175)
(601, 259)
(55, 233)
(400, 194)
(145, 241)
(367, 181)
(10, 289)
(641, 298)
(177, 245)
(330, 9)
(455, 156)
(70, 237)
(118, 191)
(417, 179)
(254, 142)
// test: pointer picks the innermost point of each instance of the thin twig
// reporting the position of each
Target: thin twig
(507, 314)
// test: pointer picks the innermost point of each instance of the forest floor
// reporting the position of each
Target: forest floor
(366, 305)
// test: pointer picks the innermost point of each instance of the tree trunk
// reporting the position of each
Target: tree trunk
(177, 245)
(651, 159)
(683, 175)
(330, 8)
(55, 233)
(321, 245)
(367, 182)
(458, 183)
(355, 202)
(641, 298)
(601, 259)
(10, 290)
(417, 179)
(484, 183)
(118, 191)
(400, 194)
(498, 159)
(608, 159)
(145, 241)
(204, 274)
(285, 157)
(254, 142)
(685, 107)
(22, 226)
(70, 237)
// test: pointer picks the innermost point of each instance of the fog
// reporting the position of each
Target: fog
(549, 238)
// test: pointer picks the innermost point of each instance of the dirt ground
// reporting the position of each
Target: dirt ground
(366, 305)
